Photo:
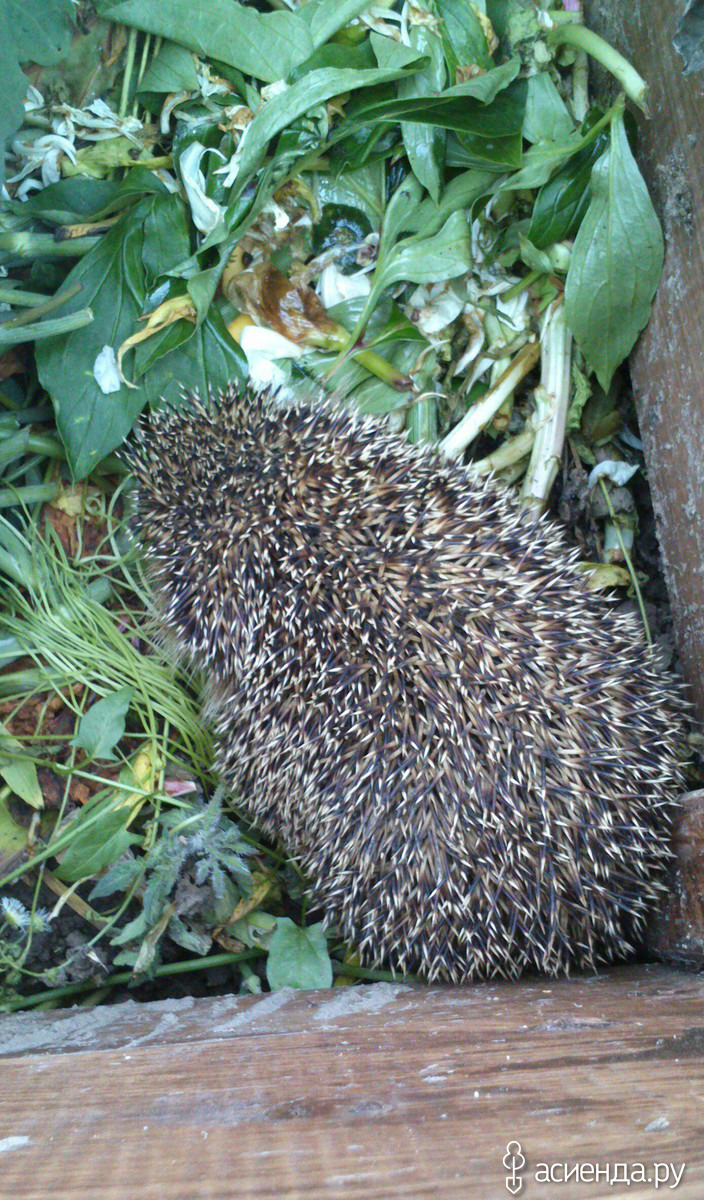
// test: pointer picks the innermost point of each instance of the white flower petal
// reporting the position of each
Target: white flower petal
(618, 472)
(206, 213)
(105, 371)
(433, 307)
(334, 286)
(259, 343)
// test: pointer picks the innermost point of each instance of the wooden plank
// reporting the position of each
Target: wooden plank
(374, 1093)
(667, 366)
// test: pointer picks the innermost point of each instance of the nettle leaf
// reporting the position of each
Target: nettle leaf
(102, 726)
(266, 45)
(114, 283)
(616, 261)
(99, 838)
(298, 958)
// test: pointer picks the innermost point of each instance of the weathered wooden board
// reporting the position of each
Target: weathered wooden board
(668, 364)
(374, 1093)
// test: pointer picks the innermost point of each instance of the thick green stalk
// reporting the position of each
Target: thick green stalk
(584, 39)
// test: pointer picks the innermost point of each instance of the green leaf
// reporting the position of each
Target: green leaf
(207, 359)
(425, 144)
(18, 771)
(99, 838)
(40, 29)
(444, 255)
(464, 38)
(30, 31)
(114, 284)
(362, 188)
(546, 118)
(616, 261)
(13, 87)
(460, 108)
(266, 45)
(328, 16)
(173, 70)
(562, 202)
(81, 199)
(298, 958)
(103, 725)
(314, 89)
(13, 836)
(120, 876)
(536, 259)
(20, 775)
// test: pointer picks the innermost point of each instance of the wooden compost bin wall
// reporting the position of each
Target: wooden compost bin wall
(668, 363)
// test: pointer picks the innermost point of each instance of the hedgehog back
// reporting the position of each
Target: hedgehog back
(471, 756)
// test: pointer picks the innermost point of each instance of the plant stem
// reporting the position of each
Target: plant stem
(119, 977)
(41, 310)
(44, 329)
(383, 369)
(422, 422)
(11, 295)
(37, 493)
(521, 285)
(508, 454)
(585, 39)
(481, 413)
(43, 245)
(552, 401)
(356, 972)
(129, 66)
(629, 564)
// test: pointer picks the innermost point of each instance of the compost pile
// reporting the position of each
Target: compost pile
(412, 204)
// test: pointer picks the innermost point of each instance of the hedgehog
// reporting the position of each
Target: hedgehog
(473, 758)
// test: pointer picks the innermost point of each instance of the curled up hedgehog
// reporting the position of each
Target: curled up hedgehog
(472, 757)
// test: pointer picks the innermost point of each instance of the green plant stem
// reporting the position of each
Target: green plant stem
(509, 454)
(422, 422)
(340, 968)
(585, 39)
(383, 369)
(45, 329)
(552, 402)
(120, 977)
(23, 441)
(43, 245)
(629, 564)
(481, 413)
(129, 67)
(42, 310)
(38, 493)
(11, 295)
(516, 289)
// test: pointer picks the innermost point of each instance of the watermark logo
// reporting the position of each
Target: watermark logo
(514, 1161)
